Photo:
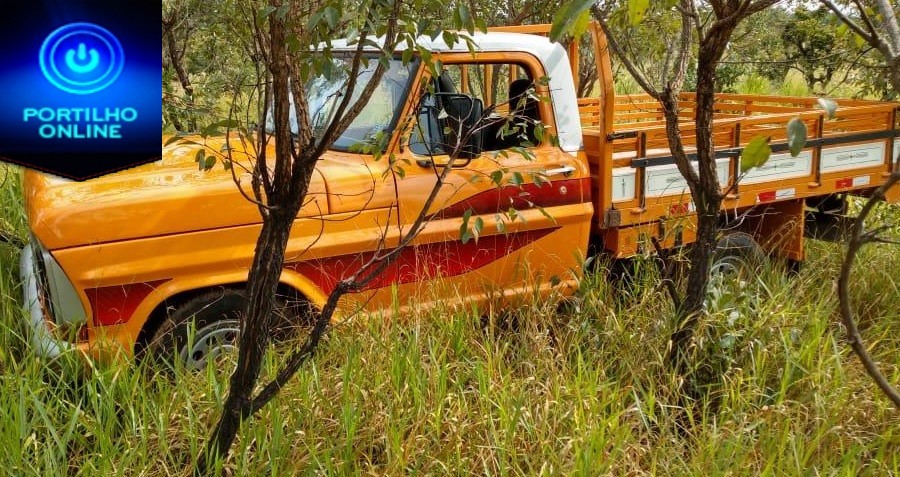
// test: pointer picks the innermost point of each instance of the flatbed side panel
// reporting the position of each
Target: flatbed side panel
(852, 153)
(623, 242)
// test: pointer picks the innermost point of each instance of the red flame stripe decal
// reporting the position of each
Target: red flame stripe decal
(420, 262)
(114, 305)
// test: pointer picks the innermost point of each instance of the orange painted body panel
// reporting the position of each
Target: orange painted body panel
(165, 197)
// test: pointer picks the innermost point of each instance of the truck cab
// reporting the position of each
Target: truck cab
(112, 259)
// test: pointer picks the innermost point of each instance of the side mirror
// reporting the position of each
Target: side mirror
(461, 124)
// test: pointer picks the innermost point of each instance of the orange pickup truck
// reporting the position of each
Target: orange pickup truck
(135, 257)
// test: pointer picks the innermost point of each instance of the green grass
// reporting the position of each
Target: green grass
(577, 390)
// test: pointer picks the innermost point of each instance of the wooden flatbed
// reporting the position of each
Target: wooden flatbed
(640, 188)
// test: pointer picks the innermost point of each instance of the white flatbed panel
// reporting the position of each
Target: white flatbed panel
(857, 156)
(623, 183)
(667, 180)
(780, 167)
(896, 151)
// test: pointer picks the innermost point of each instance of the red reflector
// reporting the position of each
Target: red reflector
(766, 196)
(842, 183)
(679, 209)
(114, 305)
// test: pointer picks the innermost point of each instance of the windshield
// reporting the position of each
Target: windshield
(325, 92)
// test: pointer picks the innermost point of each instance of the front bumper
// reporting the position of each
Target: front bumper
(39, 332)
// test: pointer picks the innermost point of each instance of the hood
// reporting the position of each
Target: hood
(165, 197)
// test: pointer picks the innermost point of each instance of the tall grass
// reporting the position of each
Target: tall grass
(577, 389)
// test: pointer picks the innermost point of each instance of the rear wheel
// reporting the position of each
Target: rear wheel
(737, 253)
(734, 282)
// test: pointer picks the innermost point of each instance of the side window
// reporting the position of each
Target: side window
(510, 113)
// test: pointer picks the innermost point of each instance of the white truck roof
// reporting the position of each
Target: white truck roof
(552, 56)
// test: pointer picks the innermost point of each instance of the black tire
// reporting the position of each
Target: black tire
(201, 329)
(737, 252)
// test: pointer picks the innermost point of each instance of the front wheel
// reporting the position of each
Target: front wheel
(206, 328)
(201, 330)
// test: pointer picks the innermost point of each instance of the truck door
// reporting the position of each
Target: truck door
(513, 214)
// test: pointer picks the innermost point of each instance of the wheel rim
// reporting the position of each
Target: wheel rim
(211, 342)
(729, 266)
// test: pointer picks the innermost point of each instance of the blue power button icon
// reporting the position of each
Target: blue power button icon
(81, 58)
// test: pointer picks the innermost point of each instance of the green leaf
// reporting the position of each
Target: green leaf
(501, 225)
(637, 9)
(539, 132)
(497, 177)
(477, 227)
(829, 105)
(517, 179)
(547, 214)
(199, 158)
(796, 135)
(331, 16)
(265, 12)
(756, 153)
(282, 11)
(464, 235)
(214, 128)
(581, 24)
(466, 19)
(567, 18)
(449, 38)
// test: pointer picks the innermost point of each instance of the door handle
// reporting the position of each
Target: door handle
(563, 170)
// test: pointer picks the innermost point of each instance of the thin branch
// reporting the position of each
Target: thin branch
(854, 337)
(850, 70)
(867, 20)
(341, 120)
(684, 49)
(617, 49)
(759, 6)
(230, 156)
(849, 22)
(881, 240)
(298, 357)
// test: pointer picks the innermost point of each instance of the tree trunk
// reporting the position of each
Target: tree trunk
(707, 194)
(894, 65)
(263, 281)
(176, 57)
